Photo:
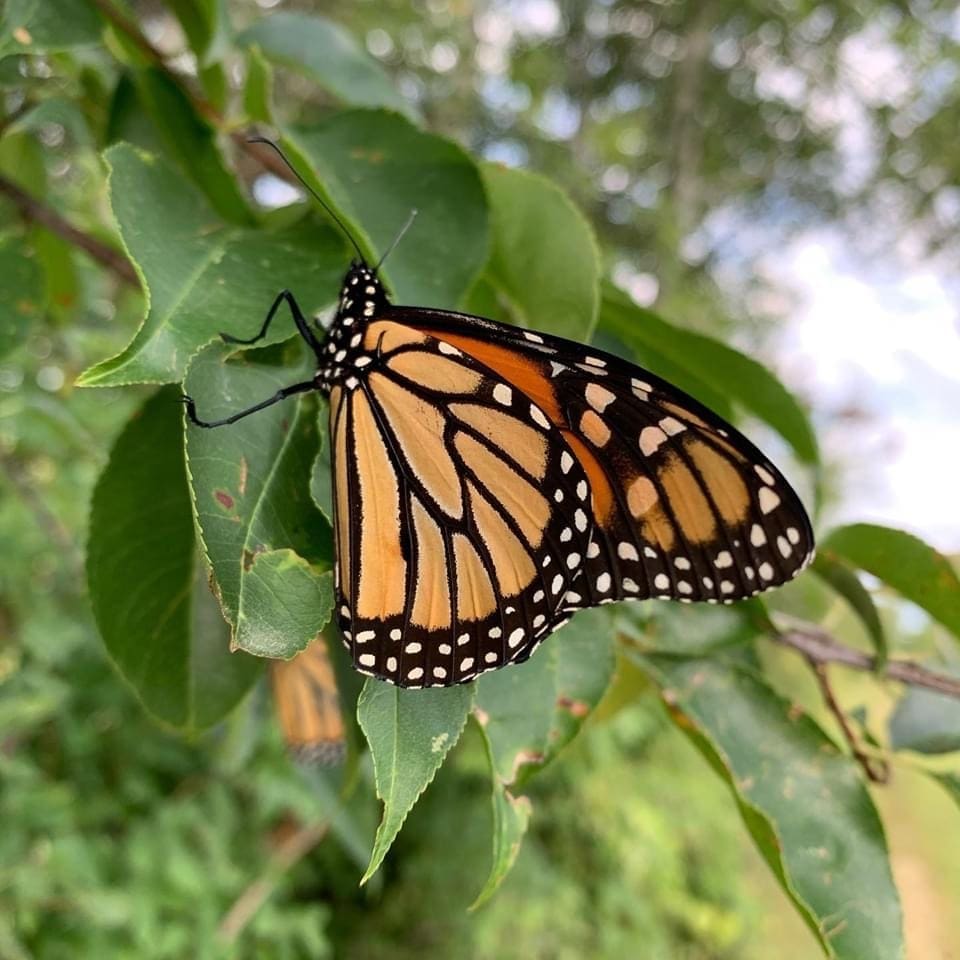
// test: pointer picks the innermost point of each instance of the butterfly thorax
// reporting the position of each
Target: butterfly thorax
(342, 353)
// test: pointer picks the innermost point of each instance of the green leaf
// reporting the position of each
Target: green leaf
(258, 89)
(834, 571)
(375, 167)
(21, 294)
(927, 722)
(951, 783)
(202, 277)
(722, 368)
(904, 562)
(282, 600)
(190, 140)
(545, 258)
(57, 110)
(802, 800)
(149, 593)
(251, 490)
(511, 816)
(326, 54)
(410, 732)
(44, 26)
(531, 710)
(207, 26)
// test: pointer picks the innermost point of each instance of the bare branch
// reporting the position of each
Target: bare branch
(819, 647)
(245, 907)
(37, 212)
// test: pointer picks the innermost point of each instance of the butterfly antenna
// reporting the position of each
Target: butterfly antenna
(397, 239)
(323, 203)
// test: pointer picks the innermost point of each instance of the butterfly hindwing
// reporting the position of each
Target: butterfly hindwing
(308, 705)
(462, 516)
(684, 506)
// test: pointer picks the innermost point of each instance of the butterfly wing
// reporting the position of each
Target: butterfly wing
(308, 706)
(684, 506)
(462, 517)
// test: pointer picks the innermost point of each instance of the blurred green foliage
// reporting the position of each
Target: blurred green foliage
(198, 836)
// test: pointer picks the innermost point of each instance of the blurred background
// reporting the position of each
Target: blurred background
(781, 175)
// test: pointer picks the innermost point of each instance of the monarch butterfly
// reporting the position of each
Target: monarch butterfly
(308, 706)
(489, 481)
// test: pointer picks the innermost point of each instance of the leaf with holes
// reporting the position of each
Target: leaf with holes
(410, 732)
(251, 489)
(802, 800)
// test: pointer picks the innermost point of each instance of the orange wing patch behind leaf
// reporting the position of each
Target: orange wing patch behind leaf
(307, 703)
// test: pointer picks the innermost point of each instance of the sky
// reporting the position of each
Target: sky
(877, 347)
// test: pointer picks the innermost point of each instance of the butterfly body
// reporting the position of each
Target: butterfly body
(489, 481)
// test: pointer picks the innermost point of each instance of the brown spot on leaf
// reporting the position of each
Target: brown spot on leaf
(248, 558)
(224, 499)
(576, 708)
(22, 35)
(242, 485)
(523, 759)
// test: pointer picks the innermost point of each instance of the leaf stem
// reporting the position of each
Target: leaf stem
(877, 771)
(37, 212)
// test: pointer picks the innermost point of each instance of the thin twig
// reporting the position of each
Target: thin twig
(877, 771)
(819, 647)
(245, 907)
(37, 212)
(203, 106)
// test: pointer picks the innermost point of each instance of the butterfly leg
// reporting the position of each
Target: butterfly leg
(240, 414)
(298, 318)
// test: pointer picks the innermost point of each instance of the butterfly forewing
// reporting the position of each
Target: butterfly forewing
(463, 516)
(684, 507)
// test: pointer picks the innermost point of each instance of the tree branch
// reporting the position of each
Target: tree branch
(264, 157)
(878, 771)
(37, 212)
(818, 647)
(245, 907)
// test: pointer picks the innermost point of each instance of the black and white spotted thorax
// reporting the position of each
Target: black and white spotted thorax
(343, 355)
